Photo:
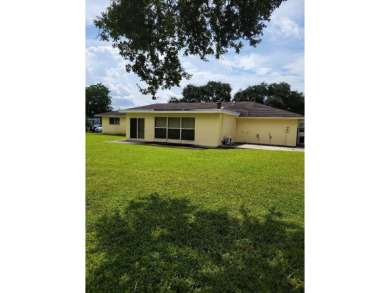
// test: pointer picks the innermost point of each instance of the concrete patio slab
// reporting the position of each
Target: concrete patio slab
(269, 148)
(194, 147)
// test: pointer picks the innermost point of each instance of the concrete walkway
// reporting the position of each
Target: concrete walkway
(236, 146)
(268, 148)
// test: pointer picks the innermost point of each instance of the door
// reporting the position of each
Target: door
(137, 128)
(301, 134)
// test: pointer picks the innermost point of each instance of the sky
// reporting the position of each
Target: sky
(278, 58)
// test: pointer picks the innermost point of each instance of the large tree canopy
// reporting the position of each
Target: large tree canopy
(213, 91)
(97, 100)
(278, 95)
(255, 93)
(150, 33)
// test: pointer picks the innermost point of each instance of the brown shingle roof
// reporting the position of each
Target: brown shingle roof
(112, 113)
(246, 109)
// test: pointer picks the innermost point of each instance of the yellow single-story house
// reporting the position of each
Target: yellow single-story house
(207, 124)
(113, 122)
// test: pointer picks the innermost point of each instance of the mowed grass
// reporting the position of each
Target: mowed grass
(164, 219)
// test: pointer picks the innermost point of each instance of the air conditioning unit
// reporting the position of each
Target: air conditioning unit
(228, 140)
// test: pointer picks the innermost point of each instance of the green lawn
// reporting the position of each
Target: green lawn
(177, 220)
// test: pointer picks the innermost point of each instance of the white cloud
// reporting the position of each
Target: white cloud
(297, 66)
(94, 8)
(250, 61)
(293, 9)
(287, 20)
(263, 71)
(242, 71)
(276, 63)
(285, 27)
(103, 64)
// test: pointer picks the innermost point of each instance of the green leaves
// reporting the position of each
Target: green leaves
(213, 91)
(97, 99)
(150, 34)
(280, 96)
(256, 93)
(277, 95)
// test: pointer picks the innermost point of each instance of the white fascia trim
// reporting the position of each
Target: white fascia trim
(120, 116)
(200, 111)
(295, 118)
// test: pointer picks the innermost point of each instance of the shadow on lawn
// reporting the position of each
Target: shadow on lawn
(163, 245)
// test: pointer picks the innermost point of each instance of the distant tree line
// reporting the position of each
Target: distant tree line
(213, 91)
(97, 100)
(278, 95)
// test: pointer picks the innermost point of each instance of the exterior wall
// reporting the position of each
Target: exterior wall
(207, 128)
(229, 127)
(249, 128)
(210, 129)
(108, 128)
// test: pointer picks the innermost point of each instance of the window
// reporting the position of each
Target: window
(114, 120)
(137, 128)
(174, 128)
(301, 127)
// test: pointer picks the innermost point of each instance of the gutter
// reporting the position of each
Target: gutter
(302, 118)
(199, 111)
(98, 115)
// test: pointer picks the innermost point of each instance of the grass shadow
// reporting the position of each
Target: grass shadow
(169, 245)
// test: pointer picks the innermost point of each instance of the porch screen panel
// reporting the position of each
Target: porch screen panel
(188, 134)
(175, 128)
(173, 122)
(160, 127)
(173, 133)
(161, 122)
(188, 123)
(188, 129)
(160, 133)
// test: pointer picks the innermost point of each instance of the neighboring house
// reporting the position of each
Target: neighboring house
(113, 122)
(209, 124)
(94, 120)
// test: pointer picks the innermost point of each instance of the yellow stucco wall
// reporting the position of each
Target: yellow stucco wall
(108, 128)
(207, 128)
(210, 129)
(229, 126)
(269, 131)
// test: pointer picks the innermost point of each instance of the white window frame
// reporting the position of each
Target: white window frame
(137, 127)
(167, 128)
(109, 120)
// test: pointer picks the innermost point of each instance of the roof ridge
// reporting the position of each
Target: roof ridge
(246, 108)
